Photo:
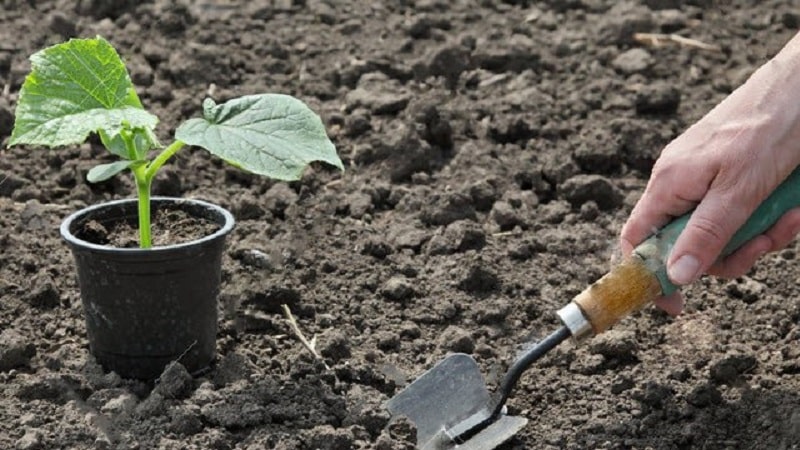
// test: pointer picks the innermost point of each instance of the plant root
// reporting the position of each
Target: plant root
(309, 345)
(659, 39)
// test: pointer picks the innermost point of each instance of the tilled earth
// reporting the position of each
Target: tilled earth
(493, 150)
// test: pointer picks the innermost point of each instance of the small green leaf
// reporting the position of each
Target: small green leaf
(269, 134)
(105, 171)
(74, 89)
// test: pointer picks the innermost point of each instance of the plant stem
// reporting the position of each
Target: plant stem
(162, 158)
(143, 191)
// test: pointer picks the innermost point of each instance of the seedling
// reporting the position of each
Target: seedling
(82, 87)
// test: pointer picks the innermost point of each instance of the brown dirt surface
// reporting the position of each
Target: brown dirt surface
(493, 150)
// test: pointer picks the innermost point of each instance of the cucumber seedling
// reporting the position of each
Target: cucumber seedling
(82, 86)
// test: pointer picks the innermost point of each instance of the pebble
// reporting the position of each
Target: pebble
(232, 368)
(479, 280)
(446, 209)
(33, 439)
(483, 194)
(397, 289)
(615, 344)
(15, 350)
(623, 20)
(174, 382)
(635, 60)
(658, 98)
(459, 236)
(456, 339)
(582, 188)
(122, 404)
(492, 312)
(704, 395)
(506, 216)
(730, 368)
(335, 345)
(326, 437)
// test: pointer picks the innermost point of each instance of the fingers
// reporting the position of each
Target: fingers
(671, 304)
(709, 229)
(776, 238)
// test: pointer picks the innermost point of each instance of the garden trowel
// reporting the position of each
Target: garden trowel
(451, 405)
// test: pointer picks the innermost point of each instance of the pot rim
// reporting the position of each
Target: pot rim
(73, 240)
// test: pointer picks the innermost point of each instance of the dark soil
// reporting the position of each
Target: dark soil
(493, 151)
(167, 227)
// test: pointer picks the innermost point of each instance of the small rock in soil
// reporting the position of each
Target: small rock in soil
(448, 62)
(61, 25)
(364, 409)
(174, 382)
(457, 340)
(479, 280)
(589, 365)
(122, 404)
(185, 420)
(376, 247)
(15, 350)
(279, 197)
(459, 236)
(704, 395)
(492, 312)
(335, 345)
(447, 209)
(379, 94)
(658, 98)
(730, 368)
(388, 341)
(438, 131)
(253, 257)
(270, 299)
(483, 194)
(409, 237)
(635, 60)
(43, 293)
(655, 394)
(359, 204)
(232, 368)
(623, 20)
(326, 437)
(517, 54)
(357, 124)
(621, 384)
(33, 439)
(589, 211)
(582, 188)
(557, 167)
(599, 151)
(397, 289)
(615, 344)
(506, 216)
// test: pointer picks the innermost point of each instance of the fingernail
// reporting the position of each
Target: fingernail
(684, 270)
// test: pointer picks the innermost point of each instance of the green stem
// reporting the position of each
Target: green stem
(143, 190)
(162, 158)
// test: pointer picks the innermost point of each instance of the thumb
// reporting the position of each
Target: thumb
(709, 229)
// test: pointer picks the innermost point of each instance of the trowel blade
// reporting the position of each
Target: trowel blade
(444, 397)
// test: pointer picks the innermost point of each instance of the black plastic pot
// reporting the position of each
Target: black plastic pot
(147, 307)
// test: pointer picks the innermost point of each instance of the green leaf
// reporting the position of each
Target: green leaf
(269, 134)
(74, 89)
(106, 171)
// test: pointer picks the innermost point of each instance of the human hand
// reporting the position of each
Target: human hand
(724, 166)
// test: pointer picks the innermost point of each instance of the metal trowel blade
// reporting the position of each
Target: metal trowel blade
(444, 399)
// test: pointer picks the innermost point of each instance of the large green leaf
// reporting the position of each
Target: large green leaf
(74, 89)
(269, 134)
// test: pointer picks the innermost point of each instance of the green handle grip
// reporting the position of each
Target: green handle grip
(656, 249)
